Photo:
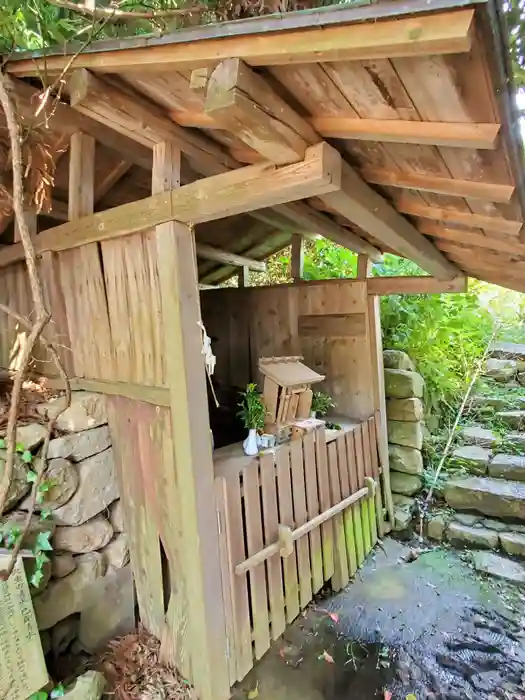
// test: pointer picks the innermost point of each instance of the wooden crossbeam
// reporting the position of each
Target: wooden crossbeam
(234, 192)
(209, 252)
(129, 115)
(382, 286)
(455, 135)
(424, 133)
(142, 121)
(490, 223)
(489, 192)
(475, 240)
(66, 121)
(443, 33)
(359, 203)
(243, 103)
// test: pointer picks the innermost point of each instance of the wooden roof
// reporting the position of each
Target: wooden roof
(416, 97)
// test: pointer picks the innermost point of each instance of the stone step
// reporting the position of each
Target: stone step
(514, 419)
(500, 370)
(510, 351)
(494, 497)
(511, 467)
(477, 435)
(499, 567)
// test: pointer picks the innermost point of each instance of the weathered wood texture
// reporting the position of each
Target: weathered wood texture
(324, 322)
(290, 486)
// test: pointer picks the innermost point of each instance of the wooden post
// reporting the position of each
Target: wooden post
(376, 348)
(200, 562)
(81, 176)
(244, 276)
(297, 256)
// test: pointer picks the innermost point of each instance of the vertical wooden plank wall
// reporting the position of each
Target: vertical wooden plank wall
(326, 322)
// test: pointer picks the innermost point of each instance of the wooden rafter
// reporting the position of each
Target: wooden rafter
(209, 252)
(398, 131)
(443, 33)
(490, 223)
(358, 202)
(490, 192)
(476, 240)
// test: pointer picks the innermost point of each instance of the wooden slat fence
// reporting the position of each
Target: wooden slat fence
(264, 586)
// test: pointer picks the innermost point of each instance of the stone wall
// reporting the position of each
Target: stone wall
(405, 419)
(83, 515)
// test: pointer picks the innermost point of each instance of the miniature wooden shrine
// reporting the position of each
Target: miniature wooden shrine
(286, 391)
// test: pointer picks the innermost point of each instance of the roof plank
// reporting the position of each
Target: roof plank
(443, 33)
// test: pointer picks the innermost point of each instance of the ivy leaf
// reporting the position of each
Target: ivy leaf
(36, 578)
(27, 457)
(40, 559)
(31, 476)
(19, 447)
(41, 695)
(45, 486)
(58, 692)
(2, 444)
(42, 542)
(12, 537)
(45, 514)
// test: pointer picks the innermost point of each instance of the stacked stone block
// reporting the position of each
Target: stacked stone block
(405, 414)
(90, 549)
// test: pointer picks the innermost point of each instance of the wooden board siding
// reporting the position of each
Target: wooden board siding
(271, 317)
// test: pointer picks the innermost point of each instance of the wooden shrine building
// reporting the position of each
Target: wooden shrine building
(183, 160)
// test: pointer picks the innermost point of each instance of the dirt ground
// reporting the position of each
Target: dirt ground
(425, 629)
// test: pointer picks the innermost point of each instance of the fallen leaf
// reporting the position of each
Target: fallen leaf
(411, 696)
(388, 695)
(253, 693)
(327, 657)
(334, 617)
(281, 652)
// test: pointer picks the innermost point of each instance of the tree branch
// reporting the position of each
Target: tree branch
(113, 13)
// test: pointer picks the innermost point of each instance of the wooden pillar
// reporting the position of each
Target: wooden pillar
(200, 563)
(297, 256)
(376, 353)
(81, 176)
(244, 276)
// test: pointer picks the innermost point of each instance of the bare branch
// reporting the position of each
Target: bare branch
(114, 14)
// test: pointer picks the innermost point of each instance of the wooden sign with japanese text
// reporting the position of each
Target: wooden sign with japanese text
(22, 664)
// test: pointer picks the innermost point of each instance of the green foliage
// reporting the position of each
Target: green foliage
(57, 692)
(444, 334)
(321, 403)
(252, 410)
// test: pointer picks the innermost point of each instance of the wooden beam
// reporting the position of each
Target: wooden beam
(304, 218)
(297, 258)
(397, 131)
(110, 178)
(443, 33)
(476, 240)
(491, 223)
(382, 286)
(200, 568)
(144, 122)
(209, 252)
(234, 192)
(67, 121)
(244, 104)
(359, 203)
(486, 191)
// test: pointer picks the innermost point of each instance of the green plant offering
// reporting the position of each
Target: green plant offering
(321, 403)
(252, 410)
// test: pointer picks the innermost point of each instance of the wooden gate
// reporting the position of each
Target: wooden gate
(294, 518)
